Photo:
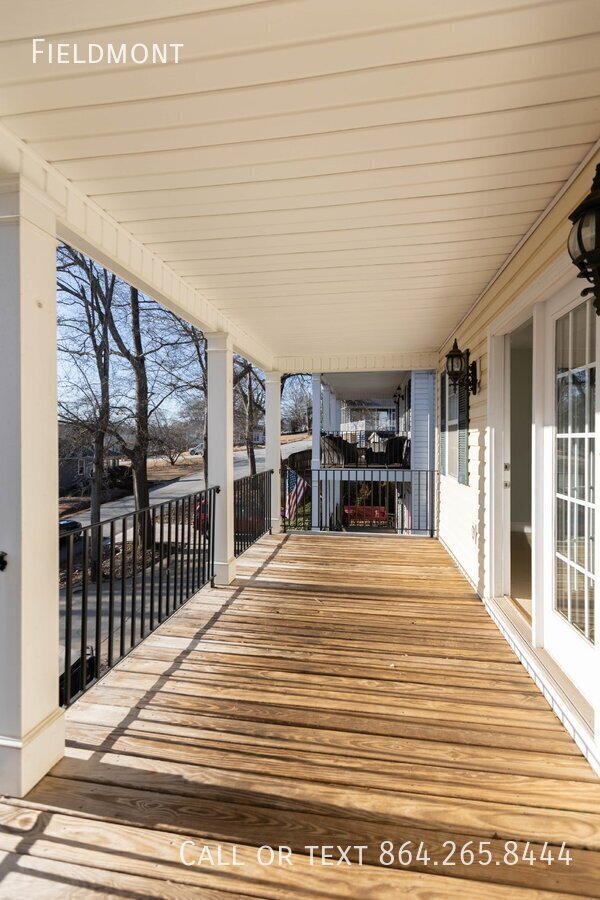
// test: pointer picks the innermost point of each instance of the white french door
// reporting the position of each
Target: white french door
(569, 632)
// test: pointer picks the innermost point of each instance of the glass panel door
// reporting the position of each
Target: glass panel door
(574, 503)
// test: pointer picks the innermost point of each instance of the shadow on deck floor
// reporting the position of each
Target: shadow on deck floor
(346, 690)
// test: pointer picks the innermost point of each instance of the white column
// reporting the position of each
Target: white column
(316, 448)
(422, 446)
(337, 414)
(326, 424)
(31, 722)
(333, 423)
(273, 443)
(220, 449)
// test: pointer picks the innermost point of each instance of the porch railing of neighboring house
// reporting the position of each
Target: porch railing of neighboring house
(395, 500)
(251, 509)
(364, 449)
(121, 578)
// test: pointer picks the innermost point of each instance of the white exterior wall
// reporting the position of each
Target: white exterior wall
(461, 506)
(473, 517)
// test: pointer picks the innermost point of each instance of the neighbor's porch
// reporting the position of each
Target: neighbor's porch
(343, 690)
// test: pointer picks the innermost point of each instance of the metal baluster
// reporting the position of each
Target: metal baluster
(111, 596)
(143, 573)
(152, 568)
(68, 620)
(176, 557)
(84, 604)
(181, 549)
(189, 544)
(99, 580)
(134, 577)
(195, 546)
(169, 520)
(123, 586)
(161, 553)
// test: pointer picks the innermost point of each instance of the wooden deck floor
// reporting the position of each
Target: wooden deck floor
(345, 691)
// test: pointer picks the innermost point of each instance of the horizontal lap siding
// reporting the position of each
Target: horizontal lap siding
(462, 507)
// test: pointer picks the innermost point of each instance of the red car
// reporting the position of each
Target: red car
(245, 520)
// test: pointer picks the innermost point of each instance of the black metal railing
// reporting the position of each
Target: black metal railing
(251, 509)
(121, 578)
(365, 449)
(354, 499)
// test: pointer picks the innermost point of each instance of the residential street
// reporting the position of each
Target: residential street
(187, 485)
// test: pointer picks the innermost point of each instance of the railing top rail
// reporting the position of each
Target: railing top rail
(138, 512)
(256, 475)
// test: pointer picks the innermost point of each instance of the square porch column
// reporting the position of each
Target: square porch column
(273, 444)
(219, 348)
(316, 450)
(31, 721)
(326, 424)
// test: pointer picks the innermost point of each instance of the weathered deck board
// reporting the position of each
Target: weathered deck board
(346, 690)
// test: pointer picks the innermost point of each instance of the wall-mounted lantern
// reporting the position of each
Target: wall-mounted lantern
(584, 240)
(460, 370)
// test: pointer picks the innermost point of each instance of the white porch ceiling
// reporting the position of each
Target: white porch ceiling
(333, 176)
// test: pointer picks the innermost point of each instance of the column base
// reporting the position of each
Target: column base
(24, 761)
(225, 572)
(276, 526)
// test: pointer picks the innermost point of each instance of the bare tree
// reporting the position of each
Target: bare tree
(85, 294)
(168, 437)
(296, 403)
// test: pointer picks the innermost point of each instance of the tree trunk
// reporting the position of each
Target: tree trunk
(139, 459)
(95, 502)
(205, 457)
(250, 427)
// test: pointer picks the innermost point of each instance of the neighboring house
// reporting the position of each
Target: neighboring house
(78, 467)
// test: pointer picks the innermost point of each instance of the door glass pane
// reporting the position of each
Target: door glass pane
(562, 465)
(579, 336)
(577, 553)
(562, 509)
(579, 396)
(577, 610)
(562, 345)
(562, 586)
(578, 468)
(575, 468)
(562, 404)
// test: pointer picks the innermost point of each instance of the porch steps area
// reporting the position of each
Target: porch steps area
(345, 690)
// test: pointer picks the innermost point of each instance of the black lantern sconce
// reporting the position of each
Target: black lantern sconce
(584, 240)
(460, 370)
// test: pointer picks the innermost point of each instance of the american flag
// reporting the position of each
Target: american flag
(295, 489)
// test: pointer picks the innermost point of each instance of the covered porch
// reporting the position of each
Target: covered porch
(341, 190)
(343, 691)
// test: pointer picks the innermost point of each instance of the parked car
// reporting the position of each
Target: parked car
(247, 519)
(69, 526)
(198, 450)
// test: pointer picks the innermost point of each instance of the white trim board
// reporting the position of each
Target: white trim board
(574, 720)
